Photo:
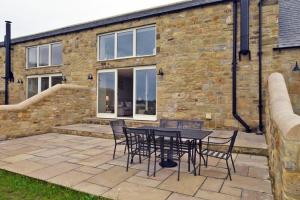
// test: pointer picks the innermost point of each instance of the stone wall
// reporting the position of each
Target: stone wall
(194, 50)
(283, 138)
(60, 105)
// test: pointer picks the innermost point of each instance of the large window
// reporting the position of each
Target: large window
(127, 93)
(39, 83)
(128, 43)
(44, 55)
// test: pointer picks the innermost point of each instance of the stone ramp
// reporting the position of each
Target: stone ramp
(247, 143)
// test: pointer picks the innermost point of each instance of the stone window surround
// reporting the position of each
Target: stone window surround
(134, 43)
(39, 80)
(50, 55)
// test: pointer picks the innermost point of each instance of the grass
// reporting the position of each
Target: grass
(17, 187)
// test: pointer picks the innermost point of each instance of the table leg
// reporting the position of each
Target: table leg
(169, 162)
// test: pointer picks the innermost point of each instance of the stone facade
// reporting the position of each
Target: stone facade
(283, 138)
(59, 105)
(194, 50)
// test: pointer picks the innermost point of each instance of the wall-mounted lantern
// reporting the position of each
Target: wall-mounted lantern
(20, 81)
(160, 72)
(296, 68)
(90, 76)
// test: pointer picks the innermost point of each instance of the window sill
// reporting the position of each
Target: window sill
(126, 58)
(287, 47)
(42, 67)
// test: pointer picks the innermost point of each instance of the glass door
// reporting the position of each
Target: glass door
(107, 94)
(145, 93)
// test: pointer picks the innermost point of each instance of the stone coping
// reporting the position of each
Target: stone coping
(281, 108)
(39, 97)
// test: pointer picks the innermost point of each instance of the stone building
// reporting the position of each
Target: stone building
(173, 61)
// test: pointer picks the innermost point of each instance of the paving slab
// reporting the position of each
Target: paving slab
(17, 158)
(112, 176)
(253, 195)
(212, 184)
(23, 167)
(209, 195)
(90, 188)
(70, 178)
(176, 196)
(131, 191)
(143, 181)
(231, 191)
(95, 161)
(90, 170)
(188, 183)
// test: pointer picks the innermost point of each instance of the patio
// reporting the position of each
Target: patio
(86, 164)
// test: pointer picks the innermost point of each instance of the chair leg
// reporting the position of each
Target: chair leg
(229, 174)
(114, 150)
(178, 175)
(189, 158)
(125, 149)
(194, 161)
(154, 165)
(232, 163)
(149, 158)
(127, 162)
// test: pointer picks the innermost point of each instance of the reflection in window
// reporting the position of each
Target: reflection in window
(107, 47)
(145, 41)
(146, 92)
(32, 57)
(32, 87)
(56, 80)
(125, 44)
(56, 54)
(44, 83)
(44, 55)
(106, 92)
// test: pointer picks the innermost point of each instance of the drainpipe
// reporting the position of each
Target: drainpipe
(7, 60)
(234, 70)
(260, 103)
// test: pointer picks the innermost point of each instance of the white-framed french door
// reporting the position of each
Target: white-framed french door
(144, 93)
(107, 95)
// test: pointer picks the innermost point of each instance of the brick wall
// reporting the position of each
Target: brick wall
(59, 105)
(283, 138)
(194, 50)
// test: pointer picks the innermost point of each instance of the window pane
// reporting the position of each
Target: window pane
(32, 54)
(107, 47)
(32, 87)
(44, 55)
(125, 46)
(56, 80)
(56, 54)
(44, 83)
(145, 41)
(146, 92)
(106, 92)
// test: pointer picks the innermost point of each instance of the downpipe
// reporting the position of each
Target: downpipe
(234, 69)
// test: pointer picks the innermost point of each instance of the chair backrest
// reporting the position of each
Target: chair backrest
(136, 136)
(232, 141)
(117, 127)
(164, 135)
(191, 124)
(168, 123)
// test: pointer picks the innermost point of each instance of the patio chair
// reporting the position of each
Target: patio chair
(138, 142)
(169, 145)
(117, 129)
(220, 154)
(168, 123)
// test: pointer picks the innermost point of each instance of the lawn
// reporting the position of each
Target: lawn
(18, 187)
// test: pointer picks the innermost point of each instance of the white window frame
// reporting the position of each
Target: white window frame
(115, 115)
(108, 115)
(38, 55)
(40, 81)
(134, 55)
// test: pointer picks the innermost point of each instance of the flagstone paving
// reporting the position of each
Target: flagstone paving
(86, 164)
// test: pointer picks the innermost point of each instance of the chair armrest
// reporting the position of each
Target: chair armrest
(220, 138)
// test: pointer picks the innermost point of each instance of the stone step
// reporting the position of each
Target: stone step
(245, 143)
(129, 122)
(83, 129)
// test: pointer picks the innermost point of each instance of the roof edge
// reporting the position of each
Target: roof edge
(116, 19)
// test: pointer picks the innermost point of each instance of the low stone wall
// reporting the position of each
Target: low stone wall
(60, 105)
(283, 138)
(1, 97)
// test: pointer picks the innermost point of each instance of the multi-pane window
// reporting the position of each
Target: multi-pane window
(127, 43)
(39, 83)
(44, 55)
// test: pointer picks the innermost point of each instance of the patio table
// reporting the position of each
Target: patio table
(189, 134)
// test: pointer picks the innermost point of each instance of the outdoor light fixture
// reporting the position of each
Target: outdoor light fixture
(296, 67)
(160, 72)
(90, 76)
(20, 81)
(63, 79)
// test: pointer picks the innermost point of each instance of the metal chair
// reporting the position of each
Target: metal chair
(117, 128)
(169, 144)
(220, 154)
(191, 124)
(168, 123)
